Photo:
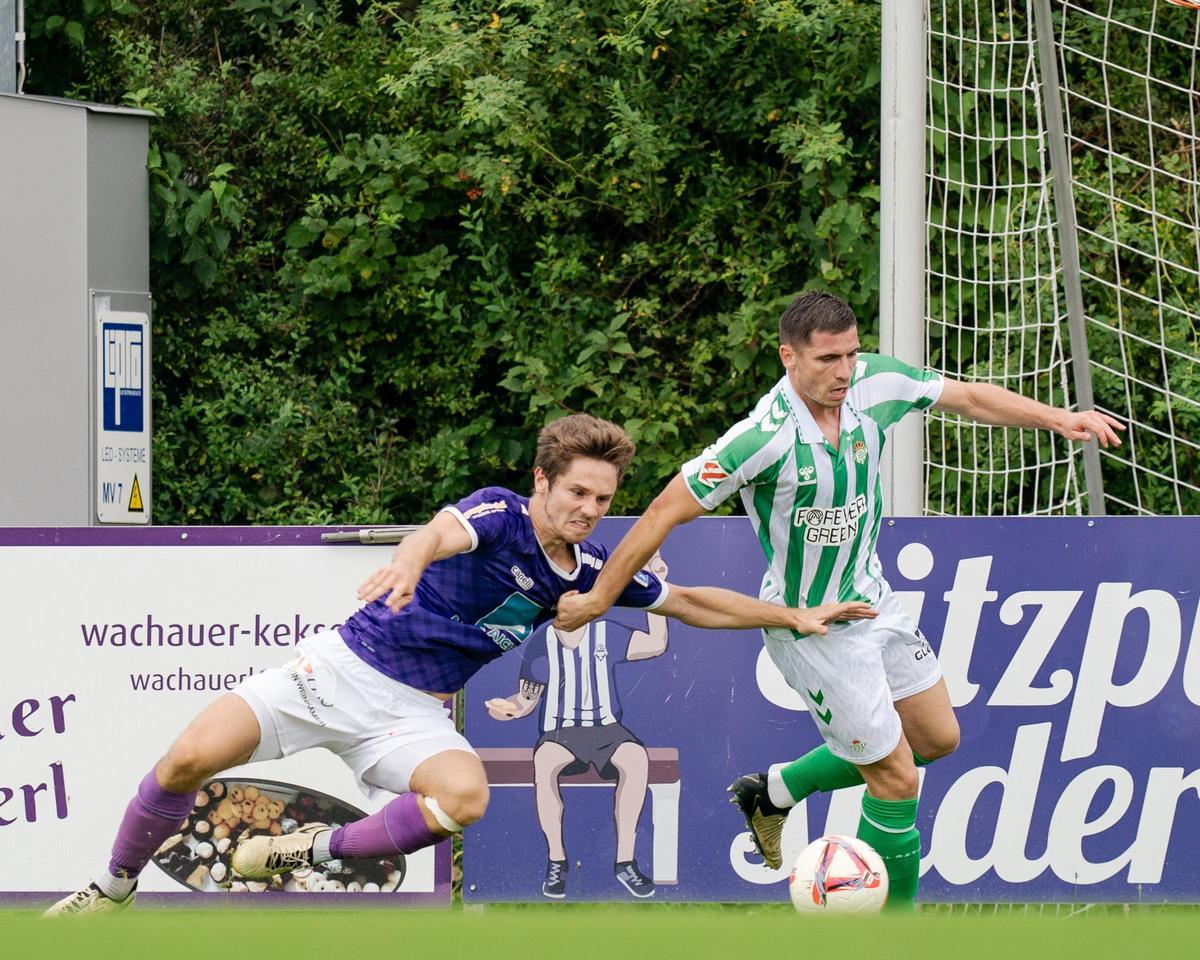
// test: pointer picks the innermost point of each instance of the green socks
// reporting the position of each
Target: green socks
(820, 770)
(890, 827)
(887, 825)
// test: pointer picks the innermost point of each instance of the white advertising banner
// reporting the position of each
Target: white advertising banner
(114, 640)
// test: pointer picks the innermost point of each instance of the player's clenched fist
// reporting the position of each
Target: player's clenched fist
(574, 610)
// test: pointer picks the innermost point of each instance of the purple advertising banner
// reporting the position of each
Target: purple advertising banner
(1071, 652)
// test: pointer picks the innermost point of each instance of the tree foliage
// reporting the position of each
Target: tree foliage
(390, 241)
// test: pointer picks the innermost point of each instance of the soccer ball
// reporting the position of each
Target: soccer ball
(838, 875)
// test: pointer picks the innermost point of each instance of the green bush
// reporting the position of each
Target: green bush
(392, 240)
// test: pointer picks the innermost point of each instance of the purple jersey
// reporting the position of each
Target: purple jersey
(468, 609)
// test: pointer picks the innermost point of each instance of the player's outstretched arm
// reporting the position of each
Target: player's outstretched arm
(717, 608)
(442, 537)
(987, 403)
(520, 704)
(669, 509)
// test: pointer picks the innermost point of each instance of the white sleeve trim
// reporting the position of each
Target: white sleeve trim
(458, 515)
(688, 487)
(662, 597)
(941, 385)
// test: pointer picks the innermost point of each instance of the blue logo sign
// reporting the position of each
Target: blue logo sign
(121, 366)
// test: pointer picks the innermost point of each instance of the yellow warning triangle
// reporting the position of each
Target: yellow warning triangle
(135, 497)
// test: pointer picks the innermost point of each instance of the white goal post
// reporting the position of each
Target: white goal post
(1062, 247)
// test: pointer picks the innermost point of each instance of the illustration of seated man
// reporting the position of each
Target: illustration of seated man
(573, 677)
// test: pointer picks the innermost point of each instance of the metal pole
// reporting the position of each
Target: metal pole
(20, 46)
(8, 46)
(1068, 245)
(902, 240)
(371, 534)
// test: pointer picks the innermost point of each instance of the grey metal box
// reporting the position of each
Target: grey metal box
(74, 220)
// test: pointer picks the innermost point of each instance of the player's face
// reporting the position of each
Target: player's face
(820, 370)
(578, 497)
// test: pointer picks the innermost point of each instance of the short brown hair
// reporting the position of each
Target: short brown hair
(812, 312)
(581, 435)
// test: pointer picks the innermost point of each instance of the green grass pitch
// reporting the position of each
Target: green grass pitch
(583, 932)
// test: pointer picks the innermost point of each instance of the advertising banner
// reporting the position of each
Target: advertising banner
(1071, 651)
(113, 640)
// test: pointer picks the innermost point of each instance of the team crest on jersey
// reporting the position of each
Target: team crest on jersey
(711, 473)
(808, 475)
(860, 452)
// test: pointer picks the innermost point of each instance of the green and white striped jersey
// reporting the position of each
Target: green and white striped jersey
(816, 510)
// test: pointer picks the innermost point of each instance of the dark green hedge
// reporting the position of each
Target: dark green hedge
(392, 240)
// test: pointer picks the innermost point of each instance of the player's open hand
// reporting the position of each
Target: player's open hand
(815, 620)
(574, 610)
(1089, 424)
(395, 581)
(520, 704)
(502, 709)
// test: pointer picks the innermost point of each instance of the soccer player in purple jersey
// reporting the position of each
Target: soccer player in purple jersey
(475, 581)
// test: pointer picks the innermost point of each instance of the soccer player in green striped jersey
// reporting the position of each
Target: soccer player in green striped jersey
(806, 462)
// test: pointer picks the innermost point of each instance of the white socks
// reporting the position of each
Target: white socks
(115, 888)
(320, 849)
(777, 790)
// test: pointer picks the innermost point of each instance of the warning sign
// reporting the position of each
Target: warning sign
(135, 497)
(122, 417)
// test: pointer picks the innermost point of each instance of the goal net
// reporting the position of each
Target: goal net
(999, 275)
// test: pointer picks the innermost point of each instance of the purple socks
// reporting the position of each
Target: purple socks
(398, 827)
(152, 816)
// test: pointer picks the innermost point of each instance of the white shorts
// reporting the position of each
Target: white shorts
(851, 677)
(328, 697)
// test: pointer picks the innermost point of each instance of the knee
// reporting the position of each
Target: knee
(184, 768)
(893, 779)
(631, 759)
(464, 804)
(942, 744)
(548, 762)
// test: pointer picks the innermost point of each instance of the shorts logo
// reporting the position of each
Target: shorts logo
(858, 747)
(711, 473)
(808, 475)
(860, 452)
(923, 648)
(524, 581)
(818, 698)
(301, 672)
